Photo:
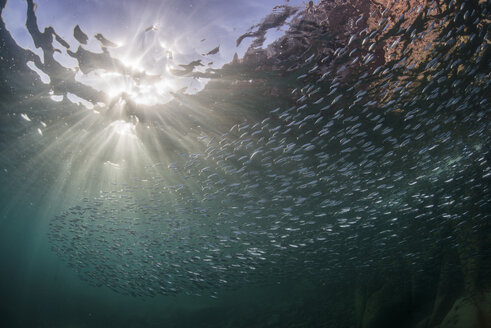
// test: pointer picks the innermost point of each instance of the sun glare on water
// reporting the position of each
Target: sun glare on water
(123, 128)
(136, 84)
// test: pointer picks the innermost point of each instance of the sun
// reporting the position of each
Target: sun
(123, 128)
(137, 85)
(141, 93)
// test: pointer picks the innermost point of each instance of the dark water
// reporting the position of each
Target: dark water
(333, 173)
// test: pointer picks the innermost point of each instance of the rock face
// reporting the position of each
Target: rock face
(386, 306)
(469, 313)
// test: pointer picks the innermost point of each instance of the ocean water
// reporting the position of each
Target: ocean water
(245, 164)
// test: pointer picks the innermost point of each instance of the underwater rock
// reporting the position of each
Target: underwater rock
(387, 307)
(445, 295)
(469, 313)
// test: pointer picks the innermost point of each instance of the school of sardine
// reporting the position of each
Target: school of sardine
(371, 164)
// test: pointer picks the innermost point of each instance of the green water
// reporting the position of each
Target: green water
(333, 173)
